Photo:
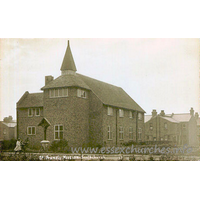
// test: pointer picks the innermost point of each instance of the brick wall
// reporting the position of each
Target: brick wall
(72, 112)
(115, 122)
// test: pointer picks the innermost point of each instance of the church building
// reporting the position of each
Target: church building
(80, 109)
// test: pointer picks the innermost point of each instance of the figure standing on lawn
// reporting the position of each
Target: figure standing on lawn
(18, 146)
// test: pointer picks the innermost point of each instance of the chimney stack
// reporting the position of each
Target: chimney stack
(196, 115)
(154, 113)
(192, 111)
(48, 79)
(162, 113)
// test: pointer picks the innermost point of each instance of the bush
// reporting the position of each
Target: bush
(59, 146)
(8, 144)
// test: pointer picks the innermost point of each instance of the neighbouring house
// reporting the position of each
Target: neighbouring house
(80, 109)
(179, 129)
(8, 129)
(198, 126)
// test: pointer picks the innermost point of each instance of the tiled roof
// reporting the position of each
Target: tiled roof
(182, 117)
(170, 119)
(31, 100)
(107, 93)
(175, 118)
(110, 94)
(66, 81)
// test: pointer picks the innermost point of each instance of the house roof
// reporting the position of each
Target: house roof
(170, 119)
(110, 94)
(68, 61)
(10, 124)
(66, 81)
(147, 118)
(185, 117)
(31, 100)
(175, 118)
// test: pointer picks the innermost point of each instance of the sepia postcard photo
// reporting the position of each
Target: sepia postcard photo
(76, 99)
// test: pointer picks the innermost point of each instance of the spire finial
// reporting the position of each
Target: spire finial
(68, 64)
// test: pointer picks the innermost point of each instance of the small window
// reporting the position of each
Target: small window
(81, 93)
(109, 110)
(30, 112)
(65, 92)
(109, 133)
(184, 126)
(58, 132)
(140, 133)
(121, 113)
(154, 139)
(147, 137)
(140, 116)
(131, 133)
(31, 130)
(166, 126)
(37, 112)
(121, 133)
(161, 139)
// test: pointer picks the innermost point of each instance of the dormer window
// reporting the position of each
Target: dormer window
(81, 93)
(58, 92)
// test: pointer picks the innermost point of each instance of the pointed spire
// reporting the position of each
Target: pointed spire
(68, 61)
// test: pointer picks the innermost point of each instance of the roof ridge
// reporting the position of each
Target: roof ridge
(98, 80)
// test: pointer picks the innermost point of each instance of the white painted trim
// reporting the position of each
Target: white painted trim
(31, 130)
(58, 130)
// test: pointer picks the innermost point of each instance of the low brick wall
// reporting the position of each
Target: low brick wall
(11, 156)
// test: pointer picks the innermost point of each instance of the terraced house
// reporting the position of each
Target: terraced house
(179, 129)
(83, 110)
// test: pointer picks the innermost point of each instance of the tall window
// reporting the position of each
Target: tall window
(130, 114)
(166, 137)
(166, 127)
(139, 133)
(31, 130)
(109, 110)
(37, 112)
(140, 116)
(131, 133)
(109, 133)
(81, 93)
(58, 92)
(150, 126)
(121, 133)
(30, 112)
(4, 131)
(121, 113)
(58, 132)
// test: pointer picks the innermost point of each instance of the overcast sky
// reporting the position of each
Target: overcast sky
(160, 74)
